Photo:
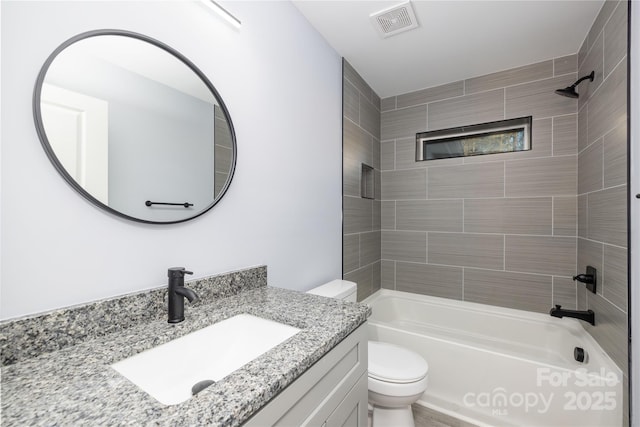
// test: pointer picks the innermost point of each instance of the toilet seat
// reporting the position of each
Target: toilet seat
(393, 364)
(395, 390)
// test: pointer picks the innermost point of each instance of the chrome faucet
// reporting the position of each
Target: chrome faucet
(587, 316)
(177, 294)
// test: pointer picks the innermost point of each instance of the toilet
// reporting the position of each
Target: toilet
(397, 376)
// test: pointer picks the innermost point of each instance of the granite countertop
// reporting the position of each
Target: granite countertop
(76, 385)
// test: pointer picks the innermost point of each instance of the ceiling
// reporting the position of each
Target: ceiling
(455, 40)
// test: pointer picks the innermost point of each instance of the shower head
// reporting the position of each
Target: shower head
(570, 91)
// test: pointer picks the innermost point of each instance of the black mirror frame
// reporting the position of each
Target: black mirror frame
(37, 116)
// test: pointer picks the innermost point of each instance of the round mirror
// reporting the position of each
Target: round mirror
(134, 127)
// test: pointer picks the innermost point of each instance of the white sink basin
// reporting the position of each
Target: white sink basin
(169, 371)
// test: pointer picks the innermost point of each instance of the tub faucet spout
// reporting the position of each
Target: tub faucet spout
(177, 294)
(587, 316)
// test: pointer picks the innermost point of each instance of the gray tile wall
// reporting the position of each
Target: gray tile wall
(602, 178)
(507, 229)
(362, 238)
(512, 229)
(497, 229)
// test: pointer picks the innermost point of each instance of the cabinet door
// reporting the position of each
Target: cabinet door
(352, 411)
(313, 397)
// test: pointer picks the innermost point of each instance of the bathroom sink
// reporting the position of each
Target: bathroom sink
(170, 371)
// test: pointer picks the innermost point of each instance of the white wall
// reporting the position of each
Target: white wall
(282, 85)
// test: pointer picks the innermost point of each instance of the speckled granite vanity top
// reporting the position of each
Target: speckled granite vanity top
(75, 385)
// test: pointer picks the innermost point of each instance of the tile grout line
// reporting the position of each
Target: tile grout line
(426, 249)
(463, 284)
(395, 275)
(553, 126)
(553, 216)
(602, 158)
(504, 252)
(602, 273)
(463, 217)
(504, 103)
(504, 180)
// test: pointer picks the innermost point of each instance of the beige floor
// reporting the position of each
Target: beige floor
(425, 417)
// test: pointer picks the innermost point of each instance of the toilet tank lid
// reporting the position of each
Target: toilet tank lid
(335, 289)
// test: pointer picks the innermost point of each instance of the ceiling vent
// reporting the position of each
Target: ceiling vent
(395, 20)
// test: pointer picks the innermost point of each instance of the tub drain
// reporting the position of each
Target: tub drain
(580, 355)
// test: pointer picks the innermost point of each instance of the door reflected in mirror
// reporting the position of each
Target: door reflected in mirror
(127, 120)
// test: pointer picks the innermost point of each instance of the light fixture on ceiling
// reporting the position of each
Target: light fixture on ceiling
(224, 13)
(395, 19)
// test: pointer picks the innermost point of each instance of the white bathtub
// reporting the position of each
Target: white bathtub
(495, 366)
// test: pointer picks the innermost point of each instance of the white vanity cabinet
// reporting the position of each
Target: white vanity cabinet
(332, 392)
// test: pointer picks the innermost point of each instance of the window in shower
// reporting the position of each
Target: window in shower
(503, 136)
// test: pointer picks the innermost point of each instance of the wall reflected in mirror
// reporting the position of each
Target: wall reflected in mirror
(127, 120)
